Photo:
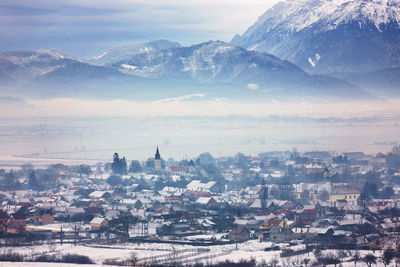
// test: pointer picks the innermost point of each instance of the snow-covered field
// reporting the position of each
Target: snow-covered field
(149, 252)
(43, 264)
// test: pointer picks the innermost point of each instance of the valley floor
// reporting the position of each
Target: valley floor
(185, 254)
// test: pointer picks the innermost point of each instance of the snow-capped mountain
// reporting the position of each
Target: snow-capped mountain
(27, 65)
(206, 62)
(48, 65)
(217, 62)
(116, 54)
(216, 68)
(325, 36)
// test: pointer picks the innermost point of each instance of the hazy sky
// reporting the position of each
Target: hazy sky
(87, 27)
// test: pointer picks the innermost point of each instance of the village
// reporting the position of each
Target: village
(314, 208)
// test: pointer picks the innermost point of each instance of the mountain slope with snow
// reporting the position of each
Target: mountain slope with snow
(324, 36)
(116, 54)
(40, 65)
(219, 63)
(215, 68)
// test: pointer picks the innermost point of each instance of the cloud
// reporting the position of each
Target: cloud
(252, 86)
(180, 98)
(69, 25)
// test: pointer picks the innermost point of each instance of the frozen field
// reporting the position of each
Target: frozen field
(163, 253)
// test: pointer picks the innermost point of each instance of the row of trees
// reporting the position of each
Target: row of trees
(334, 259)
(38, 179)
(120, 166)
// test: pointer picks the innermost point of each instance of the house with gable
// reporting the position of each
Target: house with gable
(211, 186)
(98, 223)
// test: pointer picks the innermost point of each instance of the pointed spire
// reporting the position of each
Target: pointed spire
(157, 156)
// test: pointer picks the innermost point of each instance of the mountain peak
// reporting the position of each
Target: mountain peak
(301, 30)
(113, 55)
(54, 53)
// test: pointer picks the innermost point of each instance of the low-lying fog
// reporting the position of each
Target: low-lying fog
(187, 126)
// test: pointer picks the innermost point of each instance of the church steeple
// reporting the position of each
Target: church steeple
(157, 161)
(157, 156)
(263, 194)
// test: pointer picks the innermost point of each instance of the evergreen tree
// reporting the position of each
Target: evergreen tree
(114, 180)
(123, 166)
(135, 166)
(116, 163)
(119, 166)
(150, 163)
(10, 179)
(32, 181)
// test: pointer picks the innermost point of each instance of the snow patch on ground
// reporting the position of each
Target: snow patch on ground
(100, 56)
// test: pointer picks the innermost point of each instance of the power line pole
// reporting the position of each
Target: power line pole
(76, 235)
(61, 236)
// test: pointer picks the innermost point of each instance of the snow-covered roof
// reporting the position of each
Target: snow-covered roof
(97, 220)
(204, 200)
(97, 194)
(197, 185)
(128, 201)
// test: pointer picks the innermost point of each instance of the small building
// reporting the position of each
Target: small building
(314, 168)
(280, 234)
(43, 216)
(307, 216)
(16, 223)
(98, 223)
(211, 186)
(177, 170)
(239, 234)
(3, 220)
(133, 203)
(350, 195)
(206, 201)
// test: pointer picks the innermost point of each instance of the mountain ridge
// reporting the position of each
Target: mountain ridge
(216, 67)
(323, 36)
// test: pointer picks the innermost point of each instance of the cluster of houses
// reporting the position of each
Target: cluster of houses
(249, 199)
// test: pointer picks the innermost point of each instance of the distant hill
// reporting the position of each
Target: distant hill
(166, 69)
(384, 82)
(124, 52)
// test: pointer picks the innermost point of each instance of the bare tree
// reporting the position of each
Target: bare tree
(369, 259)
(125, 220)
(342, 254)
(356, 257)
(133, 259)
(52, 247)
(387, 257)
(317, 253)
(274, 262)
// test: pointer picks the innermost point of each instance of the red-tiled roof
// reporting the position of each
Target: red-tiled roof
(19, 216)
(310, 211)
(24, 204)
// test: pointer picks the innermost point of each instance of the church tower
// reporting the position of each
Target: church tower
(157, 161)
(263, 194)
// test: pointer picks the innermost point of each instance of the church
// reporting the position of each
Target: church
(157, 160)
